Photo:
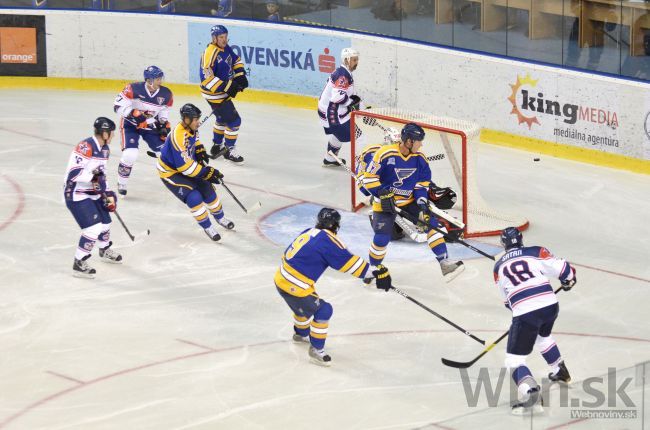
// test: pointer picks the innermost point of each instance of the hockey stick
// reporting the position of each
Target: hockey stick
(152, 154)
(457, 327)
(119, 218)
(465, 365)
(368, 120)
(412, 219)
(253, 208)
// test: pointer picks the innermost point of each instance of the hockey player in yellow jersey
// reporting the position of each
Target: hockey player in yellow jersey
(183, 168)
(223, 76)
(303, 262)
(399, 177)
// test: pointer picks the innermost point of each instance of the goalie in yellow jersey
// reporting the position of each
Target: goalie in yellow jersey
(303, 262)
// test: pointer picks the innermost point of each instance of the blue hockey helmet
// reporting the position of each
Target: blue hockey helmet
(412, 131)
(329, 219)
(153, 72)
(218, 30)
(511, 238)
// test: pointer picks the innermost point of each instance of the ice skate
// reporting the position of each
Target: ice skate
(81, 269)
(534, 403)
(226, 223)
(121, 189)
(562, 375)
(451, 269)
(232, 155)
(319, 356)
(300, 339)
(334, 163)
(110, 256)
(212, 233)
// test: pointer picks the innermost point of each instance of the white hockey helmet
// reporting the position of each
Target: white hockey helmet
(347, 53)
(392, 135)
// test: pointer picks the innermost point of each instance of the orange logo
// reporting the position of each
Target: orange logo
(18, 45)
(521, 118)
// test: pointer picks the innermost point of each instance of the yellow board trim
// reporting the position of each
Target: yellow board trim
(114, 86)
(568, 152)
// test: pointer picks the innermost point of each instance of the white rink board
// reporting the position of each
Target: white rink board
(609, 113)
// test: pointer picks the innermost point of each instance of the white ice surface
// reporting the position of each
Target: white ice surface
(188, 334)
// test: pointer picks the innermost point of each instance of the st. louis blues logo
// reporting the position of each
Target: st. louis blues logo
(402, 175)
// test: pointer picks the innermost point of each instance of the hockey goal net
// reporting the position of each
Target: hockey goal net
(452, 145)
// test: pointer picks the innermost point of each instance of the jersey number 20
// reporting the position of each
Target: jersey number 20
(518, 272)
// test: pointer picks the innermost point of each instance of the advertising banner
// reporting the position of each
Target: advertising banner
(277, 60)
(22, 45)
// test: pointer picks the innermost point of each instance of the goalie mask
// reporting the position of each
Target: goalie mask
(443, 198)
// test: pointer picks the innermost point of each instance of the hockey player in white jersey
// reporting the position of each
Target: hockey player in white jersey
(144, 108)
(89, 198)
(522, 276)
(336, 102)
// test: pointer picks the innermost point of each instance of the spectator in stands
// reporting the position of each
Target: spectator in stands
(388, 10)
(224, 8)
(166, 6)
(595, 45)
(273, 9)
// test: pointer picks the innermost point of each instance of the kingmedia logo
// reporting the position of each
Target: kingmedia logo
(529, 105)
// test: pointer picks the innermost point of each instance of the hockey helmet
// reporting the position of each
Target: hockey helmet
(391, 135)
(153, 72)
(412, 131)
(329, 219)
(190, 111)
(102, 124)
(511, 238)
(347, 53)
(218, 30)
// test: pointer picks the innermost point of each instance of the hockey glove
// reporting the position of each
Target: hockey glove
(164, 129)
(568, 284)
(355, 102)
(424, 215)
(212, 175)
(233, 89)
(99, 181)
(382, 278)
(110, 201)
(387, 200)
(241, 81)
(201, 154)
(139, 118)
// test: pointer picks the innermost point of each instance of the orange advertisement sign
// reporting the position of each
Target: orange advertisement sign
(18, 45)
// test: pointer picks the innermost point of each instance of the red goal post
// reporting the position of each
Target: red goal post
(452, 146)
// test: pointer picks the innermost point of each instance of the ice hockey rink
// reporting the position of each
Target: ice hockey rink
(190, 334)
